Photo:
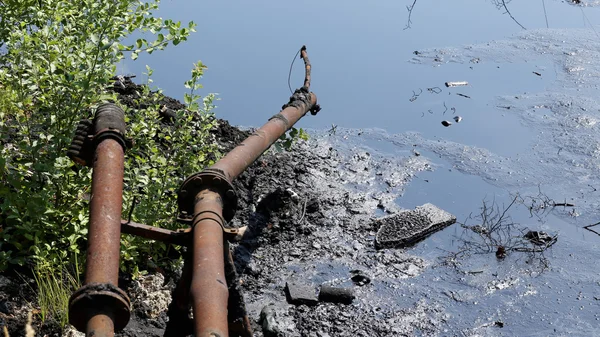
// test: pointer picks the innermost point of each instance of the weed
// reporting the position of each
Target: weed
(54, 287)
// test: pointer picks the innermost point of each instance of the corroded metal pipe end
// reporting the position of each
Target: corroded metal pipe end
(109, 122)
(99, 298)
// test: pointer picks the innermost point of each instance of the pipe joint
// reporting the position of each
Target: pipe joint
(99, 298)
(214, 180)
(109, 122)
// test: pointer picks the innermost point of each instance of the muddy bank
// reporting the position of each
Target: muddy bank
(309, 213)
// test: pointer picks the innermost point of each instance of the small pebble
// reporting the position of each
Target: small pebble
(457, 119)
(446, 123)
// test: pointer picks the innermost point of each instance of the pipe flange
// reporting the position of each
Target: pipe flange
(209, 178)
(92, 298)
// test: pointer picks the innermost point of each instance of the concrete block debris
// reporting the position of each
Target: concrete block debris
(408, 227)
(300, 293)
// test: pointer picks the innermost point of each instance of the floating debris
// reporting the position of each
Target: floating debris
(535, 72)
(463, 95)
(446, 123)
(405, 228)
(457, 119)
(434, 90)
(359, 278)
(501, 252)
(456, 84)
(540, 238)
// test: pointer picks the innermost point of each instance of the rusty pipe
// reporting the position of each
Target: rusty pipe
(99, 307)
(210, 196)
(104, 236)
(243, 155)
(104, 239)
(209, 288)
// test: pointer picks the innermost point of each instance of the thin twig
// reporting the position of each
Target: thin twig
(511, 16)
(410, 9)
(133, 203)
(588, 227)
(545, 14)
(415, 95)
(434, 90)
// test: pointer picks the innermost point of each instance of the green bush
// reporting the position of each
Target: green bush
(163, 156)
(57, 59)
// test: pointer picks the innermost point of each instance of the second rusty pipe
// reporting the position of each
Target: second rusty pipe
(209, 287)
(243, 155)
(238, 159)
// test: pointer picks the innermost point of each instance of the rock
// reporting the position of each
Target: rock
(357, 245)
(70, 331)
(312, 206)
(408, 269)
(336, 295)
(4, 307)
(359, 278)
(4, 281)
(446, 123)
(298, 293)
(407, 227)
(293, 195)
(268, 320)
(150, 297)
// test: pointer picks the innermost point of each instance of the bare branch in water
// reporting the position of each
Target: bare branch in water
(410, 9)
(502, 4)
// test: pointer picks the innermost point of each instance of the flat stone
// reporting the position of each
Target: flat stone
(299, 293)
(408, 227)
